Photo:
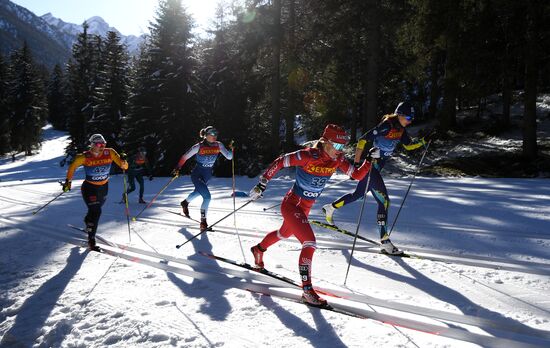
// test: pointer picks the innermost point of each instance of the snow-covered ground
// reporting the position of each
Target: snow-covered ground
(483, 279)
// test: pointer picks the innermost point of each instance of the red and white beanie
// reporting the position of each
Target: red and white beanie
(336, 134)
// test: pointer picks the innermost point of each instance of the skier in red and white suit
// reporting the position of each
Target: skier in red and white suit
(314, 167)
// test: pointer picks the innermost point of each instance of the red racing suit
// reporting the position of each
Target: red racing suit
(314, 167)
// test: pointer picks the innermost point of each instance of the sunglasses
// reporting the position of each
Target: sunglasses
(212, 133)
(337, 146)
(407, 117)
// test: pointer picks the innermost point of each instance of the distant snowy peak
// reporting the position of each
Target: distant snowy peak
(96, 26)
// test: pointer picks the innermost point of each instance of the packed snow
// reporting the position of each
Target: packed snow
(481, 277)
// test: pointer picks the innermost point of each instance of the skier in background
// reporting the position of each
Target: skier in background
(97, 165)
(69, 158)
(139, 166)
(206, 153)
(314, 167)
(386, 136)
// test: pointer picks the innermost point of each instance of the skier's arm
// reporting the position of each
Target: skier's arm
(225, 152)
(119, 161)
(352, 171)
(78, 161)
(190, 153)
(297, 158)
(410, 144)
(381, 130)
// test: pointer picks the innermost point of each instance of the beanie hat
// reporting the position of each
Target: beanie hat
(97, 138)
(209, 129)
(335, 134)
(404, 109)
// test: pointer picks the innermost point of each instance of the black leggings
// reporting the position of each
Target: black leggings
(94, 196)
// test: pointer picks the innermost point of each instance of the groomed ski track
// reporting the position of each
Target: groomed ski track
(360, 304)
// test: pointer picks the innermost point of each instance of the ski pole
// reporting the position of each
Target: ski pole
(45, 205)
(410, 185)
(127, 209)
(232, 145)
(214, 224)
(154, 198)
(359, 221)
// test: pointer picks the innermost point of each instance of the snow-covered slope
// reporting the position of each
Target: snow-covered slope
(490, 286)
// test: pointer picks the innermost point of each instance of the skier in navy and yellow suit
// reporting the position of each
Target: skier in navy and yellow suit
(386, 136)
(97, 165)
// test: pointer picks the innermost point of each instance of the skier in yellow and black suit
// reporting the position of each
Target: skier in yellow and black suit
(97, 165)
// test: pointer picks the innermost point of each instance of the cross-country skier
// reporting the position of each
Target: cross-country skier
(206, 152)
(97, 165)
(386, 136)
(314, 167)
(139, 166)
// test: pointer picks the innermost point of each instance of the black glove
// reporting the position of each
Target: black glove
(150, 178)
(357, 164)
(430, 136)
(66, 186)
(123, 155)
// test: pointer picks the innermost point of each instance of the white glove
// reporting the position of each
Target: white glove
(258, 190)
(374, 153)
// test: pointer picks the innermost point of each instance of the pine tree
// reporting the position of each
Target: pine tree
(82, 78)
(4, 112)
(57, 105)
(166, 81)
(111, 91)
(26, 100)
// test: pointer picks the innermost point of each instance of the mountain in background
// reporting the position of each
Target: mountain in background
(49, 38)
(97, 26)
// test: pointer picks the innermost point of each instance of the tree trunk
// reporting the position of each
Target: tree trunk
(531, 75)
(450, 84)
(275, 79)
(373, 33)
(291, 85)
(434, 90)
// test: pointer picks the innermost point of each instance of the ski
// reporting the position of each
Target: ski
(252, 268)
(348, 233)
(328, 307)
(263, 271)
(186, 217)
(101, 239)
(341, 230)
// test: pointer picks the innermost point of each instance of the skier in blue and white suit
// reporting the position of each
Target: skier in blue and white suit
(206, 153)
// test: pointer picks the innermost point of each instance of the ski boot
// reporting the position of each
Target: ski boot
(258, 253)
(387, 247)
(184, 207)
(310, 297)
(141, 201)
(91, 236)
(203, 226)
(92, 246)
(328, 210)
